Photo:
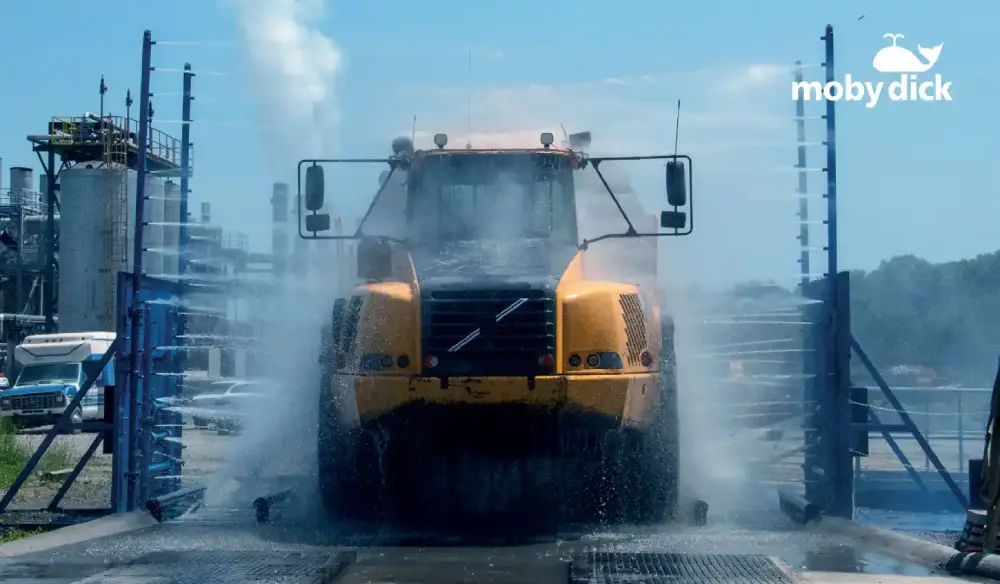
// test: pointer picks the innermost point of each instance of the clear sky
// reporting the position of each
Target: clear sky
(913, 177)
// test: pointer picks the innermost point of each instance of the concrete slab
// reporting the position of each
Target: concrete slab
(805, 554)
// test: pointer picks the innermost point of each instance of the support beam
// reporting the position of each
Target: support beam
(909, 423)
(54, 505)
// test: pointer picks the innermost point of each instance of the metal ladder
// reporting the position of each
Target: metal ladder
(116, 206)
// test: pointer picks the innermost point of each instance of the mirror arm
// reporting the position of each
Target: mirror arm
(586, 242)
(596, 164)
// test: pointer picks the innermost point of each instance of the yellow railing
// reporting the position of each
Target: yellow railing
(114, 130)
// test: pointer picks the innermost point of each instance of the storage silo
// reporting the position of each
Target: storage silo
(172, 230)
(96, 242)
(21, 178)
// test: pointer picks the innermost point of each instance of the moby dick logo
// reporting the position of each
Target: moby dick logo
(891, 59)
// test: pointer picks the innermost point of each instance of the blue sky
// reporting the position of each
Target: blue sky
(913, 177)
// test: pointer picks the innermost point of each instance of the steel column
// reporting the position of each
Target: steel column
(134, 308)
(803, 188)
(48, 289)
(185, 167)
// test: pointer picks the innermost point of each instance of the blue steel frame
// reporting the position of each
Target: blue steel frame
(147, 447)
(146, 450)
(838, 419)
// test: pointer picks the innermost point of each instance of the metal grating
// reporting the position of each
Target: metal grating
(194, 567)
(642, 568)
(635, 326)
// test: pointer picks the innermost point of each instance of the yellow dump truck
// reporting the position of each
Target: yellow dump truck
(492, 367)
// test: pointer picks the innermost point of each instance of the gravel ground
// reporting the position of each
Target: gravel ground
(206, 451)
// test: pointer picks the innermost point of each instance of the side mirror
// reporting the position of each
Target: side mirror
(673, 220)
(374, 259)
(317, 222)
(676, 184)
(315, 187)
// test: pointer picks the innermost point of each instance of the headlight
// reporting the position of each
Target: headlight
(60, 398)
(604, 360)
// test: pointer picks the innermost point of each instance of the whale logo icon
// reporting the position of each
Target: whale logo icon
(896, 59)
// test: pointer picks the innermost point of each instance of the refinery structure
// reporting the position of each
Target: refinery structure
(68, 231)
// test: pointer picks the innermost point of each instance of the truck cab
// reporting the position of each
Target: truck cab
(51, 372)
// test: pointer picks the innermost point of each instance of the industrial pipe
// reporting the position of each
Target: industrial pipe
(157, 507)
(796, 507)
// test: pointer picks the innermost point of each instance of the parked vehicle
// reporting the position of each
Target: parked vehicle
(52, 371)
(224, 408)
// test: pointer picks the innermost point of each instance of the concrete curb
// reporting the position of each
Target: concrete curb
(105, 526)
(927, 553)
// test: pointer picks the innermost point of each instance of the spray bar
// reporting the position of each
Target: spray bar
(262, 505)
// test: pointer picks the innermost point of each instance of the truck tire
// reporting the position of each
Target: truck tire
(346, 465)
(661, 448)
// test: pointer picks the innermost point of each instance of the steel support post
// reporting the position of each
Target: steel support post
(185, 168)
(48, 289)
(129, 414)
(803, 188)
(838, 322)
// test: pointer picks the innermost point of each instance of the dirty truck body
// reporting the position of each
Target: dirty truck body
(483, 372)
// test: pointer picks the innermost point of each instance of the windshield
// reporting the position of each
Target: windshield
(49, 373)
(498, 197)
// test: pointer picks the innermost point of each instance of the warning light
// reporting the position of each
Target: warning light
(547, 362)
(430, 361)
(575, 361)
(593, 360)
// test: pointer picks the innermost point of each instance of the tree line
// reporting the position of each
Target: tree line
(944, 316)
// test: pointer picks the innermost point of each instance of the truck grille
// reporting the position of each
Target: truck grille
(37, 401)
(512, 345)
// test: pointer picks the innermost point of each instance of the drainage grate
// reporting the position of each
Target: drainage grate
(184, 567)
(642, 568)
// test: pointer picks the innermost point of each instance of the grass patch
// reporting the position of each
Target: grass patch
(16, 534)
(15, 452)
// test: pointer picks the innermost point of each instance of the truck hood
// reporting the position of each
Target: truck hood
(28, 389)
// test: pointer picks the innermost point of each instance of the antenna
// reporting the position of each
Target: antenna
(677, 127)
(565, 135)
(413, 132)
(468, 105)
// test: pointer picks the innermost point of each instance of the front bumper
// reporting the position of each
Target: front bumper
(628, 399)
